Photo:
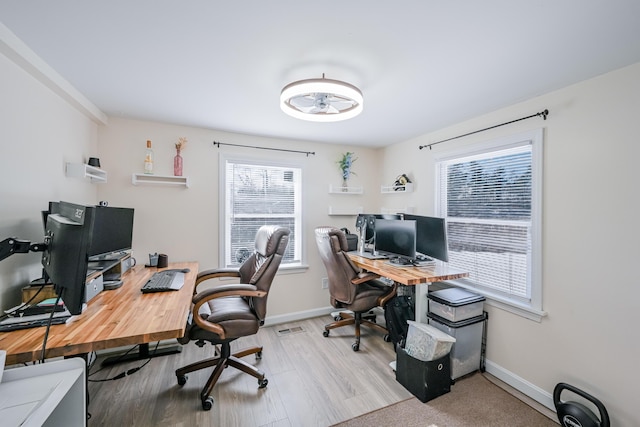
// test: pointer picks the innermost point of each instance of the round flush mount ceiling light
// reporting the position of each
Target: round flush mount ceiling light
(321, 100)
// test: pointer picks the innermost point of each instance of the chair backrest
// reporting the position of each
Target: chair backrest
(261, 267)
(333, 248)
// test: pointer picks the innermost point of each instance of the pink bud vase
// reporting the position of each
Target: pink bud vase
(177, 164)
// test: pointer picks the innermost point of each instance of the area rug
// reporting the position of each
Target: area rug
(473, 401)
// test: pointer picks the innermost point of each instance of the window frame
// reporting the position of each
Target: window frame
(222, 197)
(531, 309)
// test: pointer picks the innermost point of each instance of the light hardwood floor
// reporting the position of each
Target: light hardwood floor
(313, 381)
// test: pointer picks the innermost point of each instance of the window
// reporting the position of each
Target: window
(490, 197)
(259, 193)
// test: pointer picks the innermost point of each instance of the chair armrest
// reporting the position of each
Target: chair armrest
(214, 273)
(383, 300)
(365, 276)
(221, 291)
(217, 272)
(241, 290)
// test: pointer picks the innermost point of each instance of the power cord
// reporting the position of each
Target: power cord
(124, 373)
(46, 333)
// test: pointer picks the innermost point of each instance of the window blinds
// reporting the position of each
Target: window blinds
(259, 195)
(486, 200)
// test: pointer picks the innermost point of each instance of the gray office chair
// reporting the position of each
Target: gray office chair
(226, 312)
(350, 288)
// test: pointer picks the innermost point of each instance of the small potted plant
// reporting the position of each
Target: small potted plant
(345, 163)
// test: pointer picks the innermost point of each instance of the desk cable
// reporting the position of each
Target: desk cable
(46, 332)
(124, 373)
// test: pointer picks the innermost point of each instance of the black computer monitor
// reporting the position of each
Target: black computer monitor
(431, 236)
(67, 236)
(111, 233)
(369, 221)
(397, 239)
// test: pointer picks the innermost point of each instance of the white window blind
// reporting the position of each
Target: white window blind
(488, 199)
(260, 194)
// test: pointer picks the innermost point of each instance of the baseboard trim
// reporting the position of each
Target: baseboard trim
(525, 387)
(298, 315)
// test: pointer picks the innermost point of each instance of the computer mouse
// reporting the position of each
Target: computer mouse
(185, 270)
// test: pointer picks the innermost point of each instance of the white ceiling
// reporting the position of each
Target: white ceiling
(421, 65)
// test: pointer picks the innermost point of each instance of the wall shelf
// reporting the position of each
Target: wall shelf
(339, 189)
(169, 180)
(406, 209)
(80, 170)
(345, 212)
(397, 189)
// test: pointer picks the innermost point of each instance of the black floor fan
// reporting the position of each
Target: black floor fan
(574, 414)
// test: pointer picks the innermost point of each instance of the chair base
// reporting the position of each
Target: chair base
(221, 361)
(356, 319)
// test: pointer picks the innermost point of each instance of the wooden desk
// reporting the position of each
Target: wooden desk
(411, 276)
(408, 275)
(114, 318)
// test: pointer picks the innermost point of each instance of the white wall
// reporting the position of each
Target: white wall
(590, 247)
(183, 222)
(39, 132)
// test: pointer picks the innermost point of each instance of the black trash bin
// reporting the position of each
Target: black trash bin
(426, 380)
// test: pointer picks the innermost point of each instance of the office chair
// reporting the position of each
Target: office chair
(350, 288)
(226, 312)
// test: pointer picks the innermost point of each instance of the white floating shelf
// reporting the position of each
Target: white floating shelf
(397, 189)
(345, 212)
(407, 210)
(143, 178)
(80, 170)
(339, 189)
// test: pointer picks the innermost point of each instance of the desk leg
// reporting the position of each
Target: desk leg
(422, 303)
(142, 354)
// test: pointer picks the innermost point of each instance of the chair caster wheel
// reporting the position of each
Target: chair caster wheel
(337, 318)
(182, 380)
(259, 355)
(207, 404)
(263, 383)
(355, 346)
(325, 333)
(386, 338)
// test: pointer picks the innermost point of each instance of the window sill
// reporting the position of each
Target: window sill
(505, 304)
(293, 269)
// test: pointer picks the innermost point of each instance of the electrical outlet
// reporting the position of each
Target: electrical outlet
(325, 283)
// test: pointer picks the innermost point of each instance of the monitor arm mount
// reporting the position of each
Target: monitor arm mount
(11, 245)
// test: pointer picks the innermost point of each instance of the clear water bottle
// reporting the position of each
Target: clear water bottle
(148, 159)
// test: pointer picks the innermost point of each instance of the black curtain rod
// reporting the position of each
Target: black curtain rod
(264, 148)
(544, 115)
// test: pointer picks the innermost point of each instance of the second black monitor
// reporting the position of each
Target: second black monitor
(396, 238)
(431, 236)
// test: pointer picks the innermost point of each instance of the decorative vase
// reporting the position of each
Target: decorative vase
(177, 164)
(345, 185)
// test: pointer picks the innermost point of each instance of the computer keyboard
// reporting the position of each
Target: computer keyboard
(166, 280)
(16, 323)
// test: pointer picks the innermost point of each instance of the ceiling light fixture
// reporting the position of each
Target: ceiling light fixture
(321, 100)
